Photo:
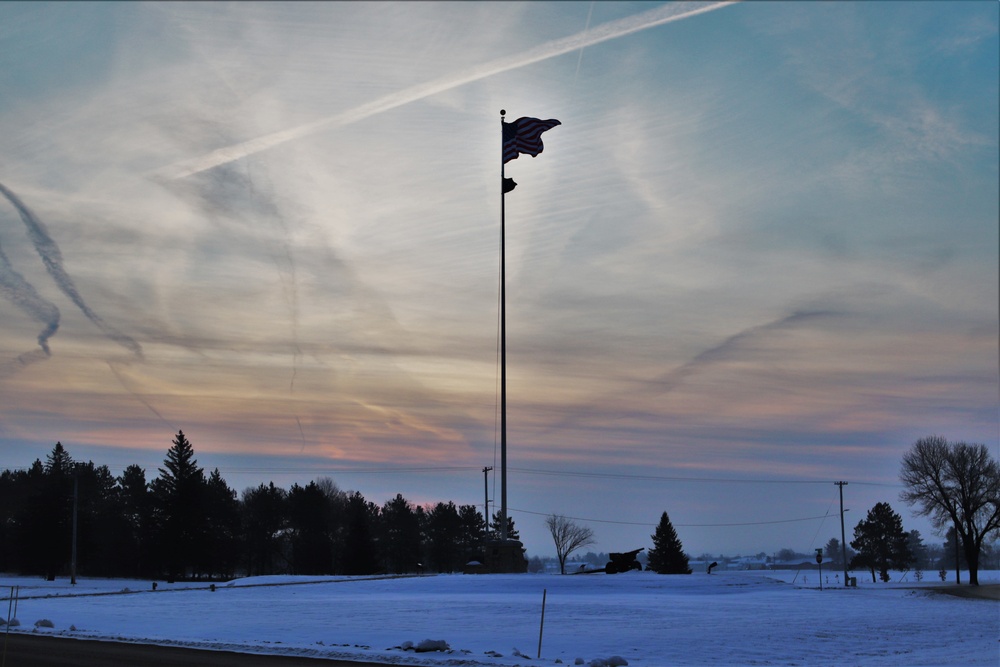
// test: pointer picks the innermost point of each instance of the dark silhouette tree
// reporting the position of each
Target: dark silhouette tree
(667, 555)
(59, 463)
(445, 539)
(955, 485)
(568, 536)
(51, 512)
(917, 549)
(136, 503)
(359, 542)
(473, 533)
(399, 536)
(178, 494)
(833, 551)
(881, 542)
(220, 553)
(335, 529)
(952, 557)
(11, 501)
(264, 522)
(102, 531)
(309, 523)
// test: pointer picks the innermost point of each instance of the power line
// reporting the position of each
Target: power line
(665, 478)
(685, 525)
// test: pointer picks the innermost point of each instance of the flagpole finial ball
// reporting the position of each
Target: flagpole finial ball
(503, 112)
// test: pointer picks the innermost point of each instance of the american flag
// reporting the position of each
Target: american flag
(524, 135)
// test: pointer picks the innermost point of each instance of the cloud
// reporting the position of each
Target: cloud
(667, 13)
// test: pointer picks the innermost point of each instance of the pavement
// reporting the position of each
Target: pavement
(28, 650)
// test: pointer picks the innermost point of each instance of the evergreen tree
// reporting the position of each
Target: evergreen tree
(833, 551)
(358, 543)
(881, 542)
(50, 513)
(178, 494)
(309, 522)
(136, 504)
(445, 540)
(952, 556)
(399, 537)
(917, 549)
(102, 532)
(59, 463)
(264, 522)
(512, 533)
(667, 555)
(220, 555)
(473, 533)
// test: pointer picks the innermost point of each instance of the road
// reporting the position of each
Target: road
(26, 650)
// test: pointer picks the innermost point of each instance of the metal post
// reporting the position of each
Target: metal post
(843, 540)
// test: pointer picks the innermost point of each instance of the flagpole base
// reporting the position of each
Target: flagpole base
(505, 557)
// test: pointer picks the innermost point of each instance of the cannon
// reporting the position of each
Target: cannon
(623, 562)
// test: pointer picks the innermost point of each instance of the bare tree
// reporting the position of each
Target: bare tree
(955, 484)
(568, 537)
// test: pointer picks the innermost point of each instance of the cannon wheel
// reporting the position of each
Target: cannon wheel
(610, 568)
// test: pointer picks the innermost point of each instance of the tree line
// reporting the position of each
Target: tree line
(186, 524)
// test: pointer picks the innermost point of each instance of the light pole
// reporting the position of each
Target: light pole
(486, 497)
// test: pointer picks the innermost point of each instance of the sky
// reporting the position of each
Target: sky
(758, 256)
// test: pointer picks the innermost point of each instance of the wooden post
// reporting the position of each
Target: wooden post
(542, 626)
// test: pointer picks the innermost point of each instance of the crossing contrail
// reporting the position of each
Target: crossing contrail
(52, 258)
(667, 13)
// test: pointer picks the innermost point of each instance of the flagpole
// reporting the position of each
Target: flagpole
(503, 345)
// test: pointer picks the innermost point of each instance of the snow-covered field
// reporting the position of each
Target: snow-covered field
(727, 618)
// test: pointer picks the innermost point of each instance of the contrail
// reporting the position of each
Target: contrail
(138, 397)
(585, 29)
(667, 13)
(52, 258)
(727, 348)
(23, 294)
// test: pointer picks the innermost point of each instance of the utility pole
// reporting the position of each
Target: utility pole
(72, 561)
(843, 542)
(486, 497)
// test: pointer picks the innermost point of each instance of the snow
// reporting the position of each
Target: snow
(636, 618)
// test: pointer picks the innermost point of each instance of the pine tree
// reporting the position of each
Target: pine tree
(178, 493)
(667, 555)
(59, 463)
(264, 517)
(359, 544)
(400, 536)
(512, 533)
(137, 510)
(881, 542)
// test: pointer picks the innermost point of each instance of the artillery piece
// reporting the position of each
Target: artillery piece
(623, 562)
